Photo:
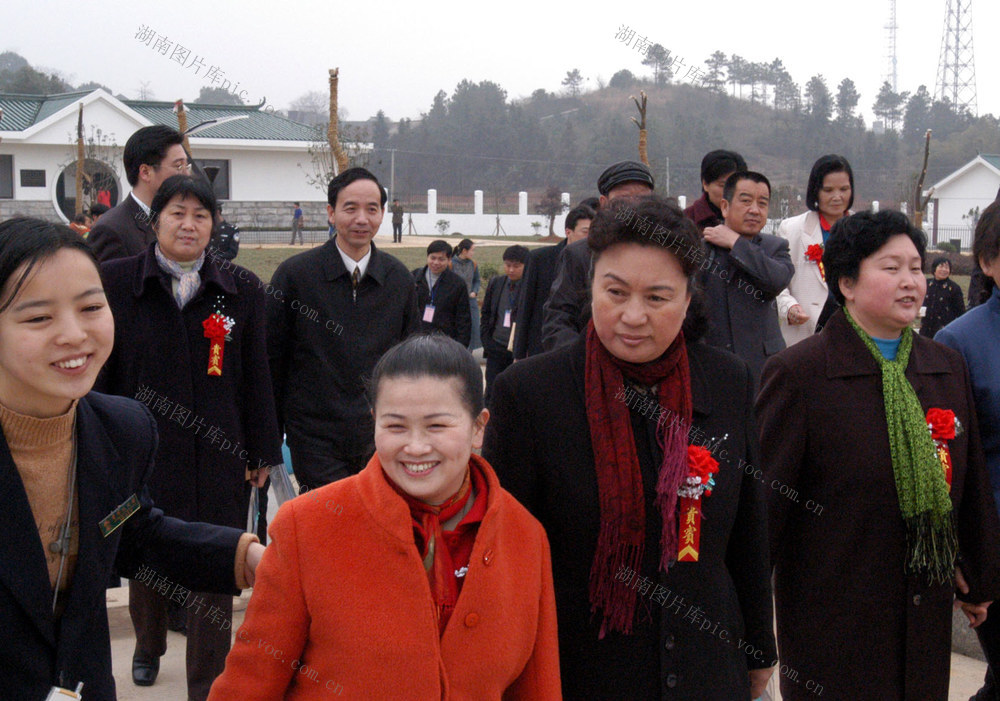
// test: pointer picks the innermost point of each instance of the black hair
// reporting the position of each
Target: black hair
(986, 244)
(97, 209)
(185, 186)
(348, 177)
(295, 203)
(463, 245)
(938, 261)
(717, 163)
(577, 213)
(733, 180)
(858, 236)
(517, 254)
(439, 246)
(433, 355)
(26, 242)
(652, 220)
(593, 202)
(148, 146)
(824, 165)
(80, 219)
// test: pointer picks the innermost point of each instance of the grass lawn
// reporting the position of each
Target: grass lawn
(264, 261)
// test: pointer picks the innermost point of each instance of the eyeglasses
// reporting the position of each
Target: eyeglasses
(184, 167)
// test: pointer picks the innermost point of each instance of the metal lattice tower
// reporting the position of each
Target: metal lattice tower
(956, 79)
(890, 28)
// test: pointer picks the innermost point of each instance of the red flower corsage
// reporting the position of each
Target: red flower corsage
(944, 426)
(217, 328)
(698, 483)
(814, 253)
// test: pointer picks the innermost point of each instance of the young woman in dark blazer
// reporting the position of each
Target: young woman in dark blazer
(74, 466)
(636, 448)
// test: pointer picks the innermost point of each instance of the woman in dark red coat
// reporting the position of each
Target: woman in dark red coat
(190, 344)
(608, 441)
(873, 428)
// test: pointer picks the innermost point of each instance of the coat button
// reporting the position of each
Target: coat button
(472, 620)
(488, 557)
(916, 599)
(669, 643)
(671, 681)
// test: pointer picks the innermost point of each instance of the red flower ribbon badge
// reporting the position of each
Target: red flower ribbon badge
(815, 253)
(217, 328)
(944, 426)
(698, 483)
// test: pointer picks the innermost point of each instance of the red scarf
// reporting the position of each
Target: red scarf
(444, 553)
(619, 480)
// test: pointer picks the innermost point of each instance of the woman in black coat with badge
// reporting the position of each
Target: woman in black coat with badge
(190, 344)
(636, 448)
(74, 465)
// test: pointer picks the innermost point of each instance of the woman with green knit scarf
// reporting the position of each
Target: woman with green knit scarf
(879, 506)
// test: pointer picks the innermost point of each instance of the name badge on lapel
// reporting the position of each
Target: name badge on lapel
(120, 515)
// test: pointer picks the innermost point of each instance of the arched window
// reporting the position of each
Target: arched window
(100, 184)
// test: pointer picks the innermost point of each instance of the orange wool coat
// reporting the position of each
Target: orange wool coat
(342, 606)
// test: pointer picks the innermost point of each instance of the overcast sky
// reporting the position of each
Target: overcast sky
(397, 59)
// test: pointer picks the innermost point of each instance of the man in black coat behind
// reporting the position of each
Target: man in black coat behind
(331, 313)
(151, 155)
(538, 277)
(500, 314)
(442, 297)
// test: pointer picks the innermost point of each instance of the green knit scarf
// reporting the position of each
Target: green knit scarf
(931, 543)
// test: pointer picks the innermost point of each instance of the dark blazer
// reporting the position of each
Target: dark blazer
(452, 315)
(322, 343)
(848, 616)
(740, 289)
(212, 428)
(122, 231)
(567, 310)
(489, 317)
(538, 441)
(535, 288)
(116, 444)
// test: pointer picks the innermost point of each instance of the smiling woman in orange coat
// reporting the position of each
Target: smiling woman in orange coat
(418, 578)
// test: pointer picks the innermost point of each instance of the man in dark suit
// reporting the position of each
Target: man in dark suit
(442, 297)
(538, 277)
(743, 271)
(334, 311)
(151, 155)
(500, 314)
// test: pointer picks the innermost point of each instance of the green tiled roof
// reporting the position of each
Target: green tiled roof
(22, 111)
(993, 160)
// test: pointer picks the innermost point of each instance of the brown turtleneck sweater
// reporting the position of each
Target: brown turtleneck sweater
(42, 450)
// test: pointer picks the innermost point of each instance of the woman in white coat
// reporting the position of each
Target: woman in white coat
(829, 196)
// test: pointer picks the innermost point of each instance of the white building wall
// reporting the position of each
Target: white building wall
(976, 188)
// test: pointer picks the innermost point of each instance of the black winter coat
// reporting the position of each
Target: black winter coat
(116, 444)
(698, 649)
(212, 428)
(122, 231)
(322, 343)
(452, 315)
(539, 275)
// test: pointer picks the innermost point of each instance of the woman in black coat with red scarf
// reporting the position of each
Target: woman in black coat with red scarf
(636, 448)
(190, 344)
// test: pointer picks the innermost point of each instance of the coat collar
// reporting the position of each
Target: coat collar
(22, 558)
(848, 356)
(138, 215)
(148, 275)
(700, 399)
(333, 264)
(392, 514)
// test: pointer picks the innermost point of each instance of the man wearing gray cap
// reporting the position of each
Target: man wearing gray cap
(567, 311)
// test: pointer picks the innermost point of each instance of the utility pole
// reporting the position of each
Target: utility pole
(392, 173)
(667, 192)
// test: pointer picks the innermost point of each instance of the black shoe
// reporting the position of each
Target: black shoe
(144, 670)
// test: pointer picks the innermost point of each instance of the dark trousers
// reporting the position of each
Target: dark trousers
(989, 639)
(296, 229)
(314, 468)
(496, 362)
(397, 232)
(209, 632)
